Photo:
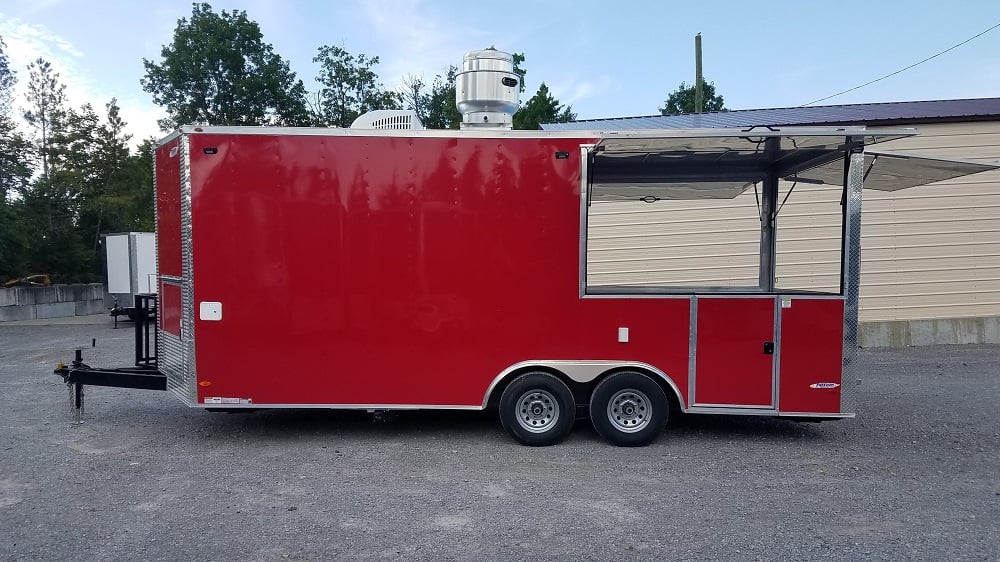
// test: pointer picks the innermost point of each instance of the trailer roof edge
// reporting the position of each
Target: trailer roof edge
(541, 134)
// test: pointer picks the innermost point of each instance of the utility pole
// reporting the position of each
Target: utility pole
(699, 97)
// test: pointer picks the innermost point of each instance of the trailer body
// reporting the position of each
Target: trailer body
(417, 269)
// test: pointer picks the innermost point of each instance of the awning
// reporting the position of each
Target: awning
(889, 171)
(721, 164)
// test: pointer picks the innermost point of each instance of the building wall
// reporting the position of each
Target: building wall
(934, 251)
(928, 252)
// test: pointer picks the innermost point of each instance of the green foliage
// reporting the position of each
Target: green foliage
(15, 150)
(53, 200)
(15, 171)
(117, 191)
(442, 113)
(350, 88)
(15, 159)
(15, 239)
(219, 70)
(682, 100)
(435, 109)
(519, 69)
(7, 79)
(543, 107)
(56, 246)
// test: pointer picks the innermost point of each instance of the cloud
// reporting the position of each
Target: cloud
(141, 117)
(28, 42)
(415, 41)
(573, 89)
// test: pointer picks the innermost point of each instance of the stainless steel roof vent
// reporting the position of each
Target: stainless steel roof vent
(487, 90)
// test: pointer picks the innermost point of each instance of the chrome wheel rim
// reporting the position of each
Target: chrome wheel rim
(629, 411)
(537, 411)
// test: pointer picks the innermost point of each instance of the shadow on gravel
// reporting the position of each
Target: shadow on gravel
(464, 425)
(691, 425)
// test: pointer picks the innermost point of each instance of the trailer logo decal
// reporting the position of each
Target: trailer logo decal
(824, 385)
(173, 151)
(225, 400)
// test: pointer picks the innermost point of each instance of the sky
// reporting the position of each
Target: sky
(605, 58)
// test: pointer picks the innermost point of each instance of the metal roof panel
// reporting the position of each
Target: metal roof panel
(827, 114)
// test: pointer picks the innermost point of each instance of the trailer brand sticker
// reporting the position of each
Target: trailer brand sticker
(173, 151)
(224, 400)
(824, 385)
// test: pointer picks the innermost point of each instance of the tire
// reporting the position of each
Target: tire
(537, 409)
(629, 409)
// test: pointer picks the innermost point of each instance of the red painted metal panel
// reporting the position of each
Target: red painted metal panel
(811, 355)
(168, 208)
(170, 308)
(731, 366)
(381, 270)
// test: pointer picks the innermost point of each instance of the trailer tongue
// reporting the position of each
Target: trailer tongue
(143, 375)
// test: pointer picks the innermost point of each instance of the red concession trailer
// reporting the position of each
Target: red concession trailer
(387, 267)
(411, 269)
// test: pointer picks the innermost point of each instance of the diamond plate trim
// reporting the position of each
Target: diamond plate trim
(851, 372)
(170, 352)
(190, 380)
(178, 353)
(171, 363)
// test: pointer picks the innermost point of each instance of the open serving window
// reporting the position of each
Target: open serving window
(718, 196)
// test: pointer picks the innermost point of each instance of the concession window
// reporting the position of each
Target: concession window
(658, 167)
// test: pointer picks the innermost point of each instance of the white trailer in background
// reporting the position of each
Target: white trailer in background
(131, 261)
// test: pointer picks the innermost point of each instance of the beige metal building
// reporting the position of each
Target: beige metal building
(930, 254)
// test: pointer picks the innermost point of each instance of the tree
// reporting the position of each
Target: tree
(7, 79)
(519, 69)
(15, 150)
(442, 112)
(681, 100)
(543, 107)
(412, 96)
(350, 87)
(53, 202)
(219, 70)
(106, 189)
(46, 97)
(15, 171)
(47, 208)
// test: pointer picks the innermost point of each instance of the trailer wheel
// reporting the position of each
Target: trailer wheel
(537, 409)
(629, 409)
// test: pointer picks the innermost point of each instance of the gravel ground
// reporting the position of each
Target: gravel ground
(915, 476)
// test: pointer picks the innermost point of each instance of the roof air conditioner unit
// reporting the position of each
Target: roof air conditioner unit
(393, 119)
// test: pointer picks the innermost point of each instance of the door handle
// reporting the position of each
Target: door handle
(769, 348)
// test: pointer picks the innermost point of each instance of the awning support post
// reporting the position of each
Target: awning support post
(854, 174)
(768, 219)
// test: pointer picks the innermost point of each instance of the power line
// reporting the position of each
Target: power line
(953, 47)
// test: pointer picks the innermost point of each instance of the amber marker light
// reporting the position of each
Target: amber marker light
(205, 383)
